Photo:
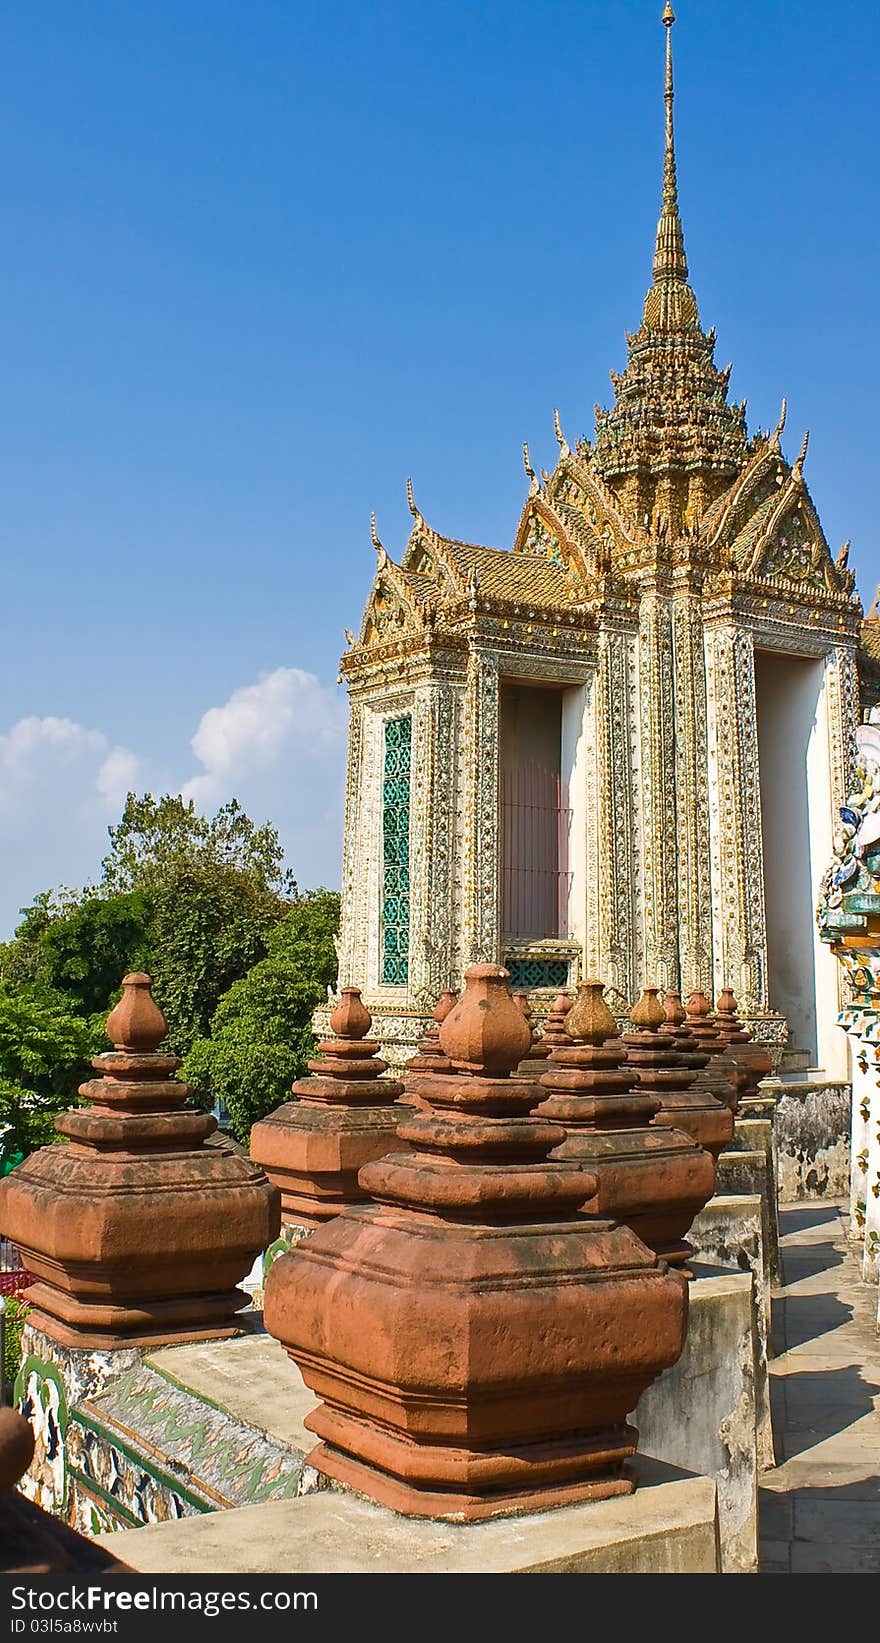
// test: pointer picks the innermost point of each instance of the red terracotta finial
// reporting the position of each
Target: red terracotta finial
(476, 1342)
(722, 1075)
(485, 1032)
(754, 1060)
(164, 1228)
(674, 1012)
(649, 1013)
(444, 1005)
(136, 1025)
(521, 1000)
(350, 1018)
(343, 1116)
(554, 1031)
(654, 1180)
(589, 1020)
(668, 1061)
(429, 1057)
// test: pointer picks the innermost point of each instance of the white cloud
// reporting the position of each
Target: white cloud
(287, 712)
(121, 773)
(277, 745)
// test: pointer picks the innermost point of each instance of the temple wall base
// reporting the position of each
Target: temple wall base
(701, 1413)
(668, 1526)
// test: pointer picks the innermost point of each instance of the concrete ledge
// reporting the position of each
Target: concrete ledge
(729, 1233)
(701, 1412)
(669, 1526)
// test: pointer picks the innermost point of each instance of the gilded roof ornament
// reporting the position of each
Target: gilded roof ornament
(534, 486)
(564, 448)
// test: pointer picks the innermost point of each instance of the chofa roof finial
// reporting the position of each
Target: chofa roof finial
(410, 498)
(564, 448)
(374, 536)
(534, 486)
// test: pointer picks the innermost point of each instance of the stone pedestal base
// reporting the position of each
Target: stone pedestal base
(748, 1166)
(729, 1233)
(701, 1413)
(669, 1526)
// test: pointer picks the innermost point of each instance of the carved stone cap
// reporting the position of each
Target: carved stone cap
(648, 1015)
(484, 1032)
(589, 1020)
(674, 1012)
(444, 1006)
(136, 1026)
(350, 1018)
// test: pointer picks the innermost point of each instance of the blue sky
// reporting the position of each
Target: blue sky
(262, 259)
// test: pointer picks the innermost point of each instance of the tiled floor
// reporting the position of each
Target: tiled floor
(820, 1507)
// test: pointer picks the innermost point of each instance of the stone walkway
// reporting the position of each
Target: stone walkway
(820, 1507)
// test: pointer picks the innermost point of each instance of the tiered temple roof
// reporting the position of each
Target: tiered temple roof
(670, 485)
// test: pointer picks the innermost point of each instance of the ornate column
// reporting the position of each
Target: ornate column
(618, 941)
(480, 935)
(353, 924)
(432, 825)
(739, 939)
(691, 797)
(658, 774)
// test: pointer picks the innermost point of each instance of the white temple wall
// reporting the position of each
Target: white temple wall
(797, 821)
(576, 706)
(831, 1042)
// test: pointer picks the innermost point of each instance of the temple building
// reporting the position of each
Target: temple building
(618, 747)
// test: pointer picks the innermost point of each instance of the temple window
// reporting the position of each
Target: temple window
(535, 817)
(395, 851)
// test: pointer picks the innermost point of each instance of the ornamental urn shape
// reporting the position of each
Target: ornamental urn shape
(344, 1116)
(533, 1062)
(476, 1341)
(429, 1057)
(755, 1059)
(656, 1179)
(666, 1058)
(137, 1232)
(723, 1075)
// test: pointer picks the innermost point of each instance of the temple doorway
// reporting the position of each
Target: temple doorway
(535, 816)
(796, 823)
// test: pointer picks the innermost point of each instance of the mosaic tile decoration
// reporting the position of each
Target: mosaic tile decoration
(395, 851)
(529, 973)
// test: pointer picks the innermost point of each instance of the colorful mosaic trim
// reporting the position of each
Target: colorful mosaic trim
(527, 974)
(395, 851)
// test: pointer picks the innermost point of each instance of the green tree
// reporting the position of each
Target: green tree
(261, 1037)
(189, 898)
(157, 836)
(79, 947)
(44, 1054)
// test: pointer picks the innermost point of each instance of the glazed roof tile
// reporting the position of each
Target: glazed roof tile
(524, 578)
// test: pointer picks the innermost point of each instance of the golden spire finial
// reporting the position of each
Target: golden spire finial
(669, 257)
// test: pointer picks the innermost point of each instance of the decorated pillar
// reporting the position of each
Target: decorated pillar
(739, 941)
(433, 800)
(657, 728)
(692, 833)
(618, 940)
(480, 934)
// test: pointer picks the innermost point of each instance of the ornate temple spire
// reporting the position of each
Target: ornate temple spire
(670, 303)
(669, 257)
(671, 442)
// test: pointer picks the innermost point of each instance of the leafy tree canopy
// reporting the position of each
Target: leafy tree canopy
(44, 1053)
(261, 1037)
(156, 837)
